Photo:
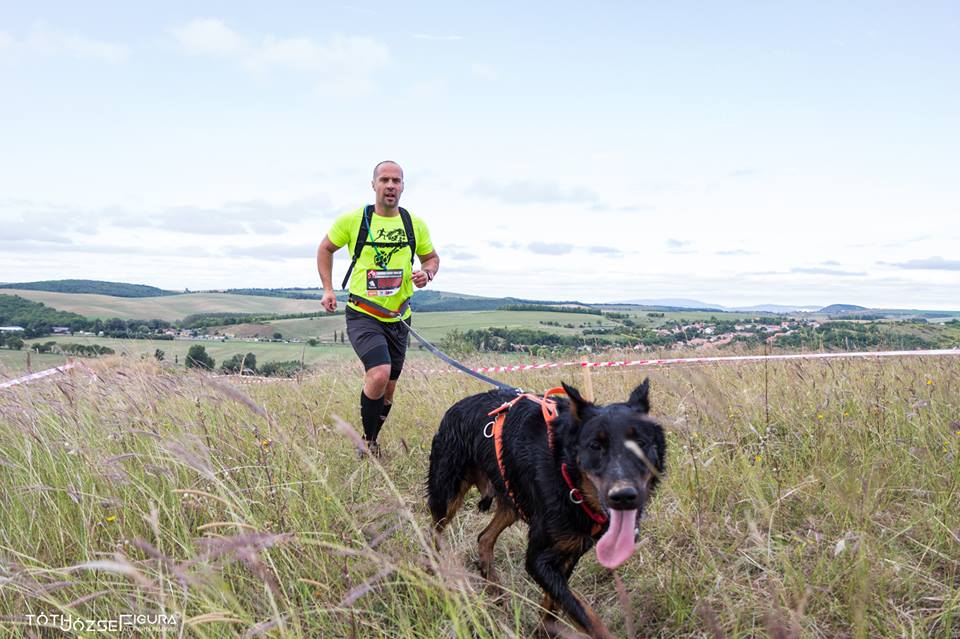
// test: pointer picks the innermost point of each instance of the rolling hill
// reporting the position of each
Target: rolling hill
(93, 287)
(166, 307)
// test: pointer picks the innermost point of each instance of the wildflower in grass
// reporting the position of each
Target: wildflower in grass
(929, 382)
(266, 443)
(820, 417)
(111, 519)
(758, 458)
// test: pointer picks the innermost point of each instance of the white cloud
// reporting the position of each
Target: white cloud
(210, 37)
(550, 248)
(827, 271)
(50, 222)
(935, 263)
(42, 40)
(274, 252)
(533, 192)
(343, 62)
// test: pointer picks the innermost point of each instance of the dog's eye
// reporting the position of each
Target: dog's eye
(596, 445)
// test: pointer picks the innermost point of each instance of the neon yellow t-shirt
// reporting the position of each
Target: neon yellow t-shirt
(382, 273)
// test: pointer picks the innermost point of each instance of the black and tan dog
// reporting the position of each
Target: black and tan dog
(585, 478)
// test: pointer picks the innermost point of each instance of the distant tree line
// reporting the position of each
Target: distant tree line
(209, 320)
(426, 301)
(96, 287)
(291, 293)
(552, 309)
(83, 350)
(521, 339)
(36, 319)
(246, 364)
(842, 335)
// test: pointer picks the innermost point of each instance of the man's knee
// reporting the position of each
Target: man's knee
(376, 380)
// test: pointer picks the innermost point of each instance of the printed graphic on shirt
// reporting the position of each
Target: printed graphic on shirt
(383, 283)
(385, 254)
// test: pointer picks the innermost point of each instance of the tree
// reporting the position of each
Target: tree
(312, 341)
(240, 363)
(197, 358)
(288, 368)
(159, 354)
(278, 336)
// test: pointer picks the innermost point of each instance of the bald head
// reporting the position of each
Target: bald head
(387, 183)
(377, 168)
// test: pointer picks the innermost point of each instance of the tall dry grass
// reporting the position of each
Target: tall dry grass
(813, 499)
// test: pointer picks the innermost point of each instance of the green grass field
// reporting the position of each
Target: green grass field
(814, 499)
(433, 325)
(691, 316)
(169, 307)
(14, 363)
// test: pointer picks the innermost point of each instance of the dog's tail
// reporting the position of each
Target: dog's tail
(449, 464)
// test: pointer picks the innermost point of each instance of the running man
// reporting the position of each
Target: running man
(380, 282)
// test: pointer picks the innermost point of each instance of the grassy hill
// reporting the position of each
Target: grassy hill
(95, 287)
(17, 311)
(433, 326)
(801, 499)
(168, 307)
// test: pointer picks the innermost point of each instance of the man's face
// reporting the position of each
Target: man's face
(388, 185)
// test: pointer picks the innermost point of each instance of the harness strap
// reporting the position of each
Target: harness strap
(498, 447)
(548, 409)
(577, 497)
(376, 309)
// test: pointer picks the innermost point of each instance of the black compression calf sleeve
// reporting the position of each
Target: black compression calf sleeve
(385, 411)
(370, 411)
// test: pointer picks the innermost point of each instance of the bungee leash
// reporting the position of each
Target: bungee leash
(381, 311)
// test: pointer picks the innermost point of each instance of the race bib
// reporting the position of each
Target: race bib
(383, 283)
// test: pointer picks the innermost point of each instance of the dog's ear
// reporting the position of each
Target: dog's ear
(639, 398)
(578, 405)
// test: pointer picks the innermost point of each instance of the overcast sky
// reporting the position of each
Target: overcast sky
(732, 152)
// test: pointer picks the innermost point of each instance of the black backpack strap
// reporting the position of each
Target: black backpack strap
(408, 229)
(362, 235)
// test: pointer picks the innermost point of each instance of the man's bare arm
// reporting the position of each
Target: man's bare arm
(325, 268)
(429, 265)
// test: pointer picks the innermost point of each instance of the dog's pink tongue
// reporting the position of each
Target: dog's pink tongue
(616, 545)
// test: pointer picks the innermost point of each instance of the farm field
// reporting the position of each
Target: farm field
(167, 307)
(810, 499)
(14, 363)
(432, 325)
(175, 350)
(691, 316)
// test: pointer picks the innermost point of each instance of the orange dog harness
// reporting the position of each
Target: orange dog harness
(548, 408)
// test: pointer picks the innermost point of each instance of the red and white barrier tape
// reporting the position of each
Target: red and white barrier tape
(610, 364)
(26, 379)
(703, 360)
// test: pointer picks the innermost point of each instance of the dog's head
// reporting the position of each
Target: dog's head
(621, 453)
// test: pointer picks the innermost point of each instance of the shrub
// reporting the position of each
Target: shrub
(197, 357)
